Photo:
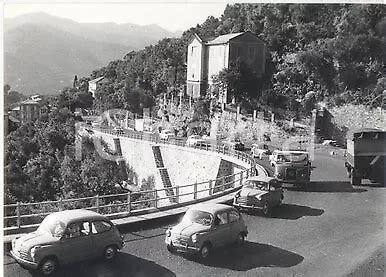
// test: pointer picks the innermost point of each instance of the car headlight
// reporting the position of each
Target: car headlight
(33, 251)
(258, 198)
(195, 237)
(13, 243)
(168, 232)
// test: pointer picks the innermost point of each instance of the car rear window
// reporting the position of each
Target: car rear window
(100, 226)
(234, 216)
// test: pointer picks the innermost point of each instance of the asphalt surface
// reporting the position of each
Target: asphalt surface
(327, 229)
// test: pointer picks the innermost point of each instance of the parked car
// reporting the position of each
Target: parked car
(193, 140)
(65, 237)
(166, 134)
(118, 130)
(260, 150)
(259, 192)
(235, 144)
(205, 227)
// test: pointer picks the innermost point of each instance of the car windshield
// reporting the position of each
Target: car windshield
(52, 226)
(292, 157)
(257, 185)
(199, 217)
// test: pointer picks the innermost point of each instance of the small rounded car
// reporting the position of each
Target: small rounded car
(260, 150)
(193, 140)
(65, 237)
(259, 192)
(166, 134)
(235, 144)
(205, 227)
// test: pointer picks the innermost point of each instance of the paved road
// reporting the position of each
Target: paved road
(330, 229)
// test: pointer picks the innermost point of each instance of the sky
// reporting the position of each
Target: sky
(169, 15)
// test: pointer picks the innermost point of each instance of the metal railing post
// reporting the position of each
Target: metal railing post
(18, 214)
(97, 202)
(177, 194)
(129, 202)
(210, 187)
(247, 173)
(223, 183)
(241, 178)
(60, 204)
(155, 199)
(195, 191)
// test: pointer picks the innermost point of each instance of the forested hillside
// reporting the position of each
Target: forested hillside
(334, 50)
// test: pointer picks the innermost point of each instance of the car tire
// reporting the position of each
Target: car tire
(48, 266)
(205, 251)
(266, 209)
(281, 200)
(170, 248)
(240, 239)
(110, 252)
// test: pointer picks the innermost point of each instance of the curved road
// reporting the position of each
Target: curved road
(328, 229)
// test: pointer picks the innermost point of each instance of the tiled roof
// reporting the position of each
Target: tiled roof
(30, 101)
(96, 80)
(224, 38)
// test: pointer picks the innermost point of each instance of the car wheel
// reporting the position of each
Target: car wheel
(266, 208)
(205, 251)
(110, 252)
(170, 248)
(240, 239)
(281, 199)
(48, 266)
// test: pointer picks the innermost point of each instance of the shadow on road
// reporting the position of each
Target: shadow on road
(327, 186)
(124, 265)
(293, 212)
(253, 255)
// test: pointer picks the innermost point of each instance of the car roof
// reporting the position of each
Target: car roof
(69, 216)
(211, 208)
(290, 152)
(261, 179)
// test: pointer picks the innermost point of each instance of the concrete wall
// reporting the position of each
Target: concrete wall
(185, 166)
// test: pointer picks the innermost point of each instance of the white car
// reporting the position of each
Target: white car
(166, 134)
(193, 140)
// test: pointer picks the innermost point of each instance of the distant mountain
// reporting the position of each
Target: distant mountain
(42, 53)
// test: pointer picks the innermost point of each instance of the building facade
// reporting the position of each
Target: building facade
(207, 58)
(93, 84)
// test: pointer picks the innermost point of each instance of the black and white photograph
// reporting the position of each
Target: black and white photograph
(191, 138)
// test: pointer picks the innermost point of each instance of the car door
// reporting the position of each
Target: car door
(220, 233)
(275, 192)
(76, 243)
(235, 224)
(101, 235)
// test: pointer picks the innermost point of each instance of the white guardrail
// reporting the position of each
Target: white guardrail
(24, 215)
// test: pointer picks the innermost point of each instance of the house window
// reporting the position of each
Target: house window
(193, 50)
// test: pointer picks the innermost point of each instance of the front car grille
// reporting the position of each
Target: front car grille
(178, 239)
(23, 254)
(247, 200)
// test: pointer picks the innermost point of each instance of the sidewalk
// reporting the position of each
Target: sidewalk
(135, 219)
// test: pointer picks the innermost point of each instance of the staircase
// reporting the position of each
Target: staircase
(164, 173)
(121, 161)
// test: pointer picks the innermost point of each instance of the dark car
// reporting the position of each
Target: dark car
(205, 227)
(259, 192)
(235, 144)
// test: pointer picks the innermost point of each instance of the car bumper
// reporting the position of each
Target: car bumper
(185, 248)
(257, 205)
(23, 262)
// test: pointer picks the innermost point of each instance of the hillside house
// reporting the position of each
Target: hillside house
(95, 83)
(206, 58)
